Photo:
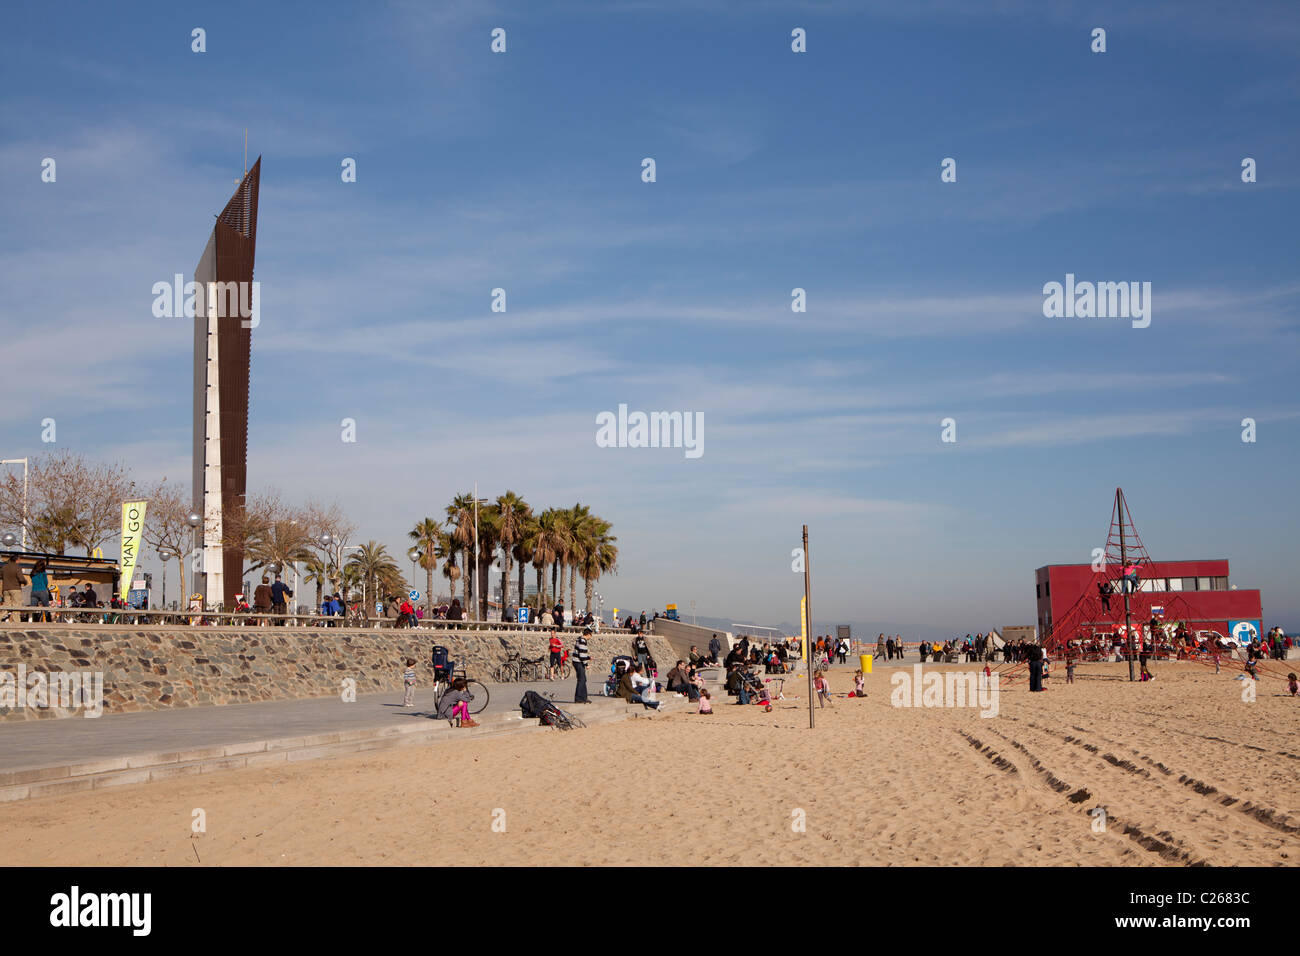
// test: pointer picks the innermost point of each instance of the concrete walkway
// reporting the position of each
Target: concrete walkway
(40, 743)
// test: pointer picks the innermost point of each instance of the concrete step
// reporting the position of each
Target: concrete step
(58, 779)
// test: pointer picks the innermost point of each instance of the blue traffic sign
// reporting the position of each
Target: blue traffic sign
(414, 595)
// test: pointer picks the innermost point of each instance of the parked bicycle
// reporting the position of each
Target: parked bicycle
(519, 668)
(442, 683)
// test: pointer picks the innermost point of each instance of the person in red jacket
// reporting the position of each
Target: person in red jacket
(557, 655)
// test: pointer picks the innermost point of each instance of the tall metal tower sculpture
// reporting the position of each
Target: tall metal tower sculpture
(222, 352)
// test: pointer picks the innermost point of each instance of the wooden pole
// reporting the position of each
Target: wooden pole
(808, 644)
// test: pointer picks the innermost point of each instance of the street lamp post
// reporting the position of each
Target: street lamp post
(23, 462)
(415, 554)
(164, 557)
(325, 540)
(365, 597)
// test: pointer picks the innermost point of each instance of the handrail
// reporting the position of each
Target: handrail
(133, 617)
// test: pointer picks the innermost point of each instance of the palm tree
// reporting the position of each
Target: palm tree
(460, 521)
(600, 555)
(318, 573)
(510, 515)
(580, 543)
(489, 519)
(556, 542)
(373, 565)
(427, 535)
(524, 547)
(451, 572)
(545, 551)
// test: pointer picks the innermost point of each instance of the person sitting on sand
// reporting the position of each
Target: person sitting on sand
(1292, 685)
(859, 684)
(706, 704)
(454, 705)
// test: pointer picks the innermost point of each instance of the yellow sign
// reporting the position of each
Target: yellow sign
(132, 541)
(671, 607)
(803, 626)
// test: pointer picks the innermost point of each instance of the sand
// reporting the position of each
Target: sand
(1186, 771)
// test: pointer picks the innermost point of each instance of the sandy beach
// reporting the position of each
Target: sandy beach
(1185, 770)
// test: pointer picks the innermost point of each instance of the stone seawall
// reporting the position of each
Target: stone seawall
(156, 668)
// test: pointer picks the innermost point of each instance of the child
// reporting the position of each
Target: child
(1146, 674)
(859, 684)
(1069, 671)
(1292, 685)
(705, 706)
(822, 688)
(408, 678)
(1250, 668)
(454, 704)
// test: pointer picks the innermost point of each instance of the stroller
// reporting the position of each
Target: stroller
(756, 690)
(616, 669)
(534, 705)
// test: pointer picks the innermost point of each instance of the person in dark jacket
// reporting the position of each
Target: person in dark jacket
(280, 594)
(1034, 654)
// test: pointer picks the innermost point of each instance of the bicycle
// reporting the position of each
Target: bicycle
(519, 668)
(559, 719)
(477, 690)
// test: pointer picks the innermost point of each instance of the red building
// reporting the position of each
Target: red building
(1195, 593)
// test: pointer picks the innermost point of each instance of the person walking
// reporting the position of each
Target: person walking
(41, 589)
(715, 648)
(262, 599)
(13, 582)
(580, 658)
(279, 599)
(556, 650)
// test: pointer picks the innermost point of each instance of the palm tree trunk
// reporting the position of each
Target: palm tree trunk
(428, 595)
(521, 583)
(505, 582)
(555, 569)
(573, 583)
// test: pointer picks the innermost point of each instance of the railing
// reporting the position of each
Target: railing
(130, 617)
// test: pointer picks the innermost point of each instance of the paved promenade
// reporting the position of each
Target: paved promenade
(72, 740)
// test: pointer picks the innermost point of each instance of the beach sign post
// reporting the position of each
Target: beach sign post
(807, 623)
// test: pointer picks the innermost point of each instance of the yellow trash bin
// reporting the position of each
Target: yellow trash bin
(864, 661)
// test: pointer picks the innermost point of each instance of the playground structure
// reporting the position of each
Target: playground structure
(1115, 615)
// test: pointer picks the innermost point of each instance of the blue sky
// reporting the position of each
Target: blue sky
(775, 170)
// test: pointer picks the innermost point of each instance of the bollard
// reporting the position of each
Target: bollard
(864, 661)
